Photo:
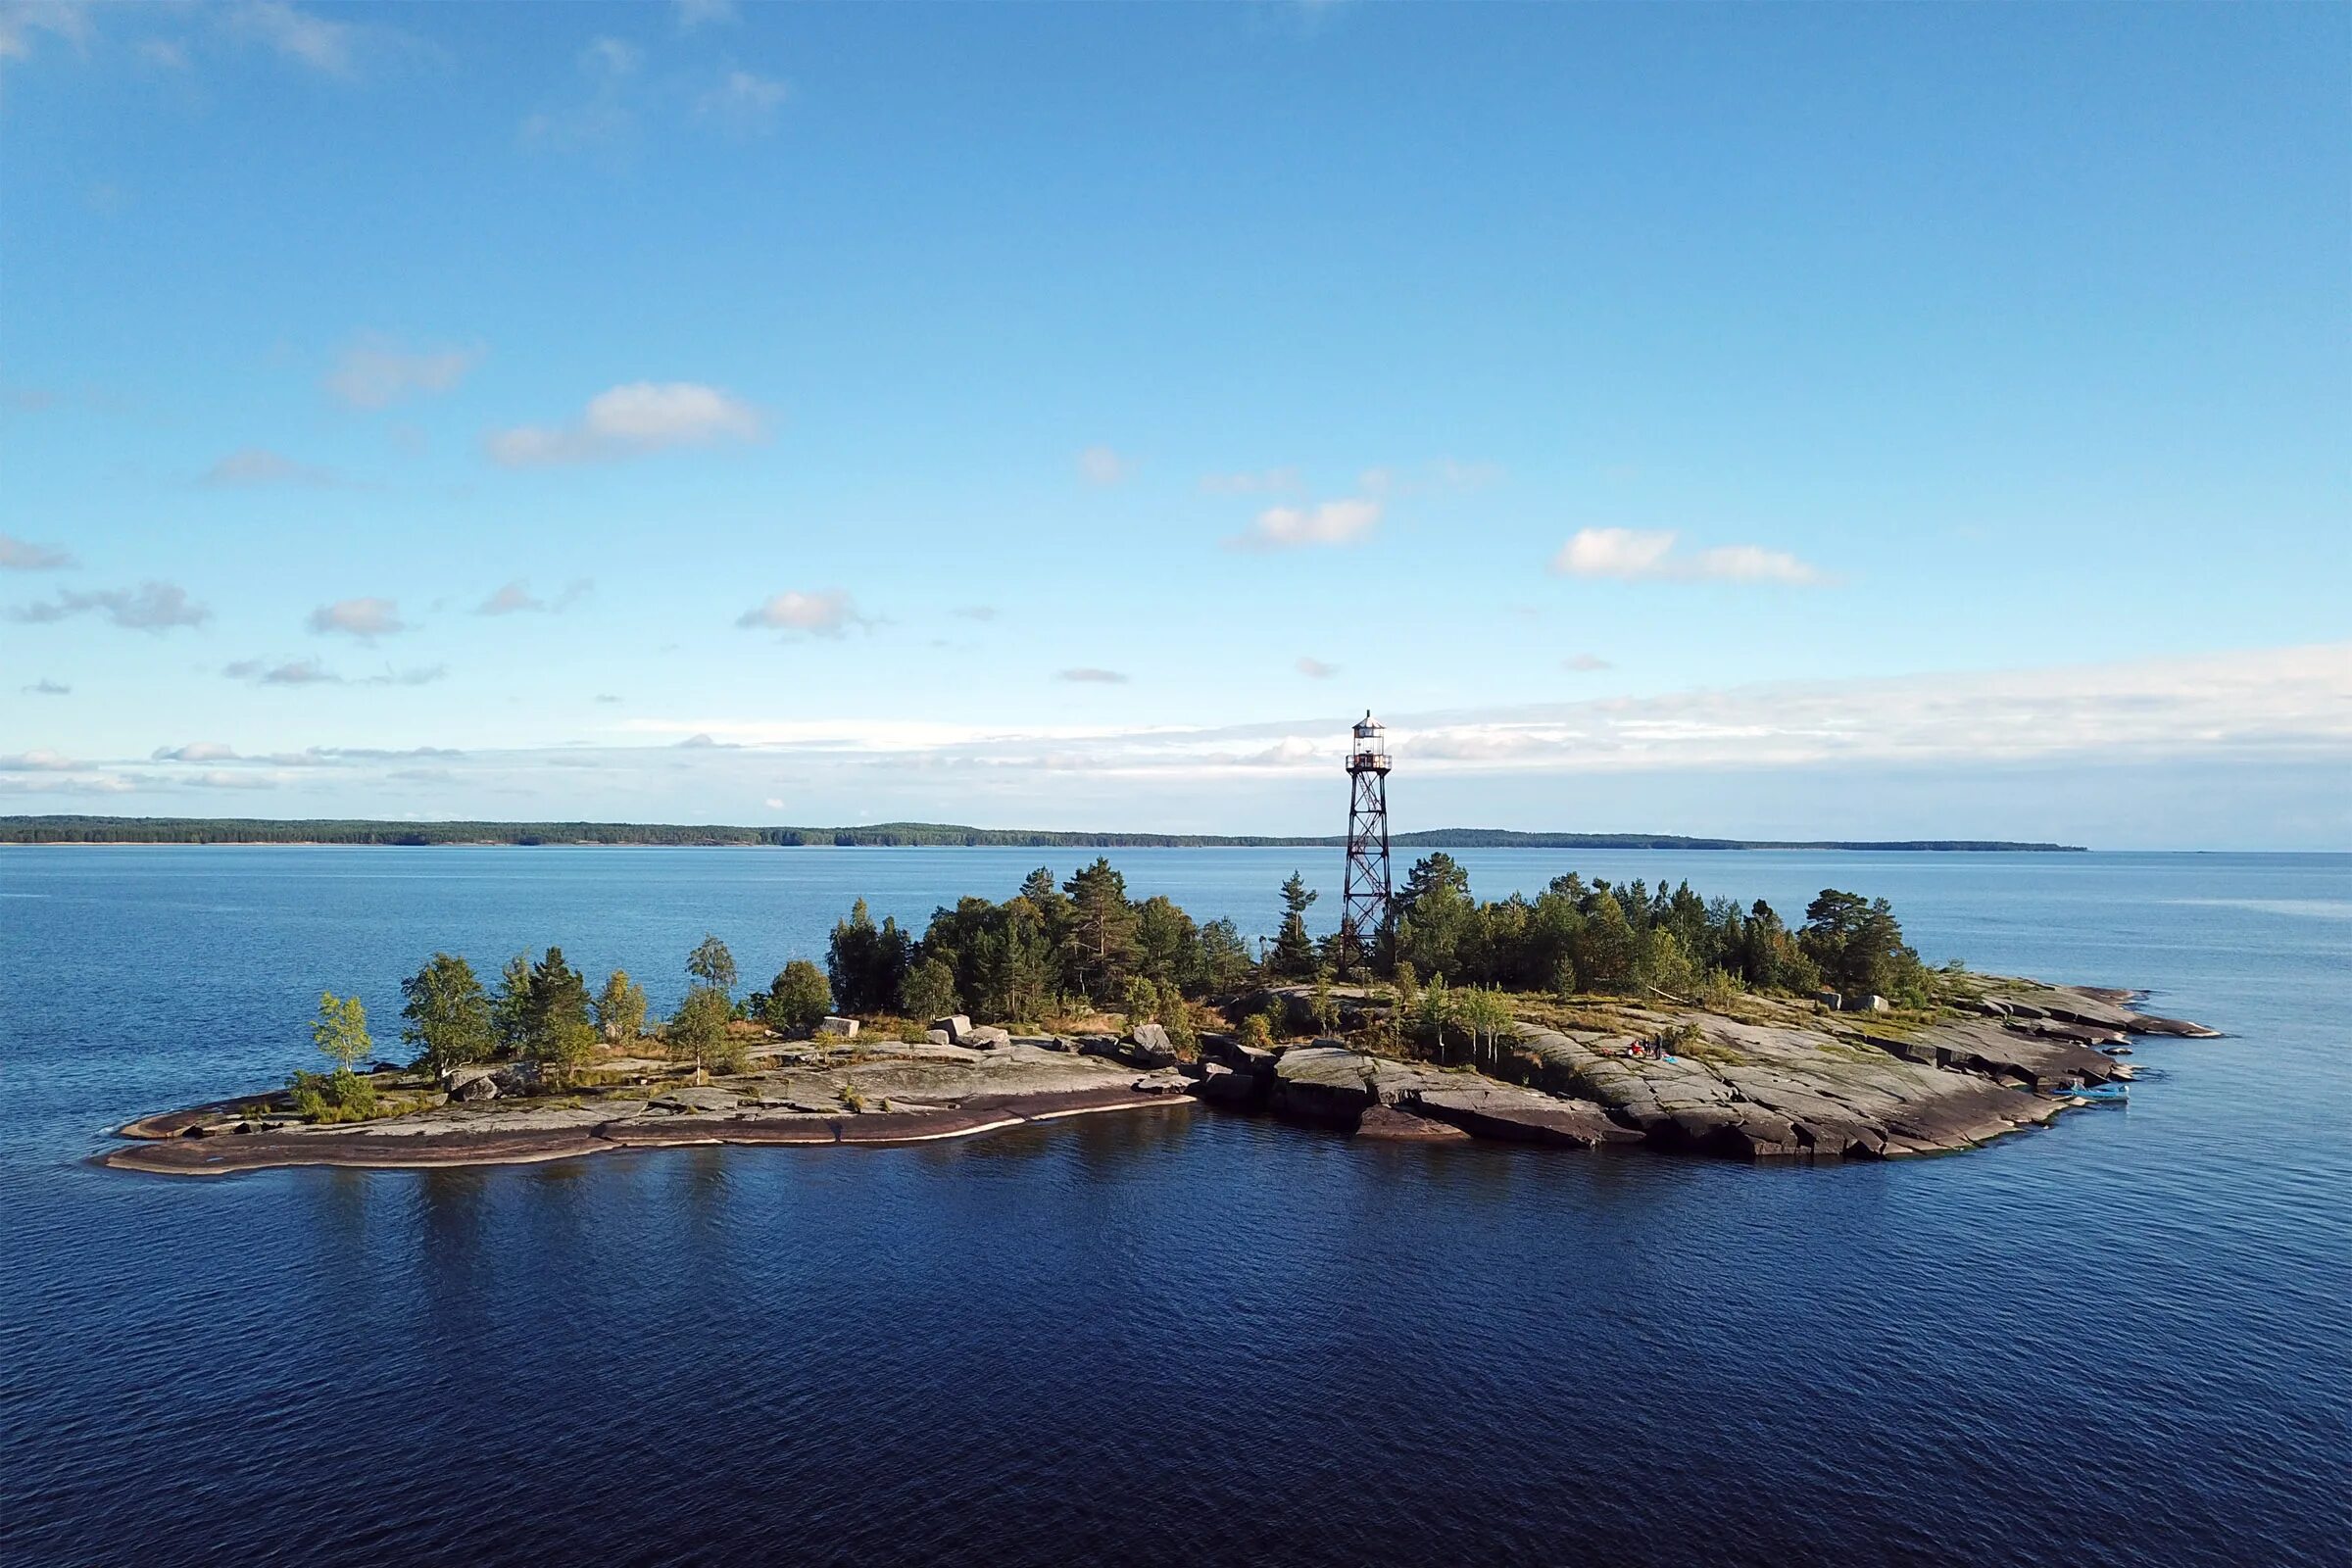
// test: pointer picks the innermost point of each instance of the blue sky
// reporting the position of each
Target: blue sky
(1887, 421)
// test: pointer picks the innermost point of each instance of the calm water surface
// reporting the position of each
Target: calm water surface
(1168, 1337)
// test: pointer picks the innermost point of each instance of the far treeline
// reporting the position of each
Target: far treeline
(880, 835)
(1079, 948)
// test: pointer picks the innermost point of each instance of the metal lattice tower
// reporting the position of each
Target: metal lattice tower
(1364, 894)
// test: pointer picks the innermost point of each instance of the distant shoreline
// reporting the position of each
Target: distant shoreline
(138, 832)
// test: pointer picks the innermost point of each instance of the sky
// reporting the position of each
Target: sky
(1766, 422)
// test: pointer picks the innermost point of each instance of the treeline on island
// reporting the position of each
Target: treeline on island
(880, 835)
(1069, 953)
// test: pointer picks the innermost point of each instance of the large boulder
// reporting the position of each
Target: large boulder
(1520, 1116)
(1148, 1046)
(1388, 1124)
(839, 1028)
(1326, 1084)
(469, 1084)
(955, 1025)
(988, 1037)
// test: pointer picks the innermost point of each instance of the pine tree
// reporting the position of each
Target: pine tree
(1294, 957)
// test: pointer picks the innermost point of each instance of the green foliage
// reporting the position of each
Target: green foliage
(1324, 1005)
(1176, 1017)
(1484, 1012)
(851, 1100)
(557, 1032)
(1436, 1010)
(510, 1007)
(800, 998)
(928, 992)
(712, 964)
(446, 1014)
(865, 963)
(337, 1096)
(698, 1031)
(1668, 968)
(1294, 954)
(341, 1031)
(1257, 1033)
(1139, 1001)
(1858, 946)
(620, 1010)
(1100, 948)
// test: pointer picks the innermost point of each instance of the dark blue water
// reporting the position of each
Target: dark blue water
(1172, 1337)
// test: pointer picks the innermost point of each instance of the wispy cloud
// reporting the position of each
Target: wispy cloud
(975, 612)
(21, 20)
(1089, 675)
(22, 555)
(48, 688)
(743, 101)
(607, 115)
(828, 612)
(314, 672)
(693, 14)
(516, 599)
(1641, 554)
(1330, 523)
(316, 43)
(365, 618)
(374, 371)
(1317, 669)
(193, 752)
(253, 468)
(40, 761)
(639, 418)
(1101, 465)
(150, 606)
(1586, 664)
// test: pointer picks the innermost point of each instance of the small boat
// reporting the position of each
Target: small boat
(2097, 1094)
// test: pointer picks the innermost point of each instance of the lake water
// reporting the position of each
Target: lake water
(1170, 1336)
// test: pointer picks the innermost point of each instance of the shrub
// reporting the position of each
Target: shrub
(332, 1097)
(800, 998)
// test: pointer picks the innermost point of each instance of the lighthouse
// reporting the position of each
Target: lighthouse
(1365, 890)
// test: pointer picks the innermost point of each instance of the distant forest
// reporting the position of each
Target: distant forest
(880, 835)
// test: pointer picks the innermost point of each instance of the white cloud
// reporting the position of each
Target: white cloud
(744, 101)
(638, 418)
(315, 41)
(365, 618)
(21, 554)
(48, 688)
(255, 467)
(19, 20)
(193, 752)
(517, 597)
(1100, 464)
(1317, 669)
(1329, 523)
(374, 371)
(694, 14)
(1647, 554)
(1087, 674)
(40, 761)
(612, 57)
(824, 613)
(151, 607)
(312, 672)
(1586, 664)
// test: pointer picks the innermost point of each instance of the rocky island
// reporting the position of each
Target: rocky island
(1590, 1016)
